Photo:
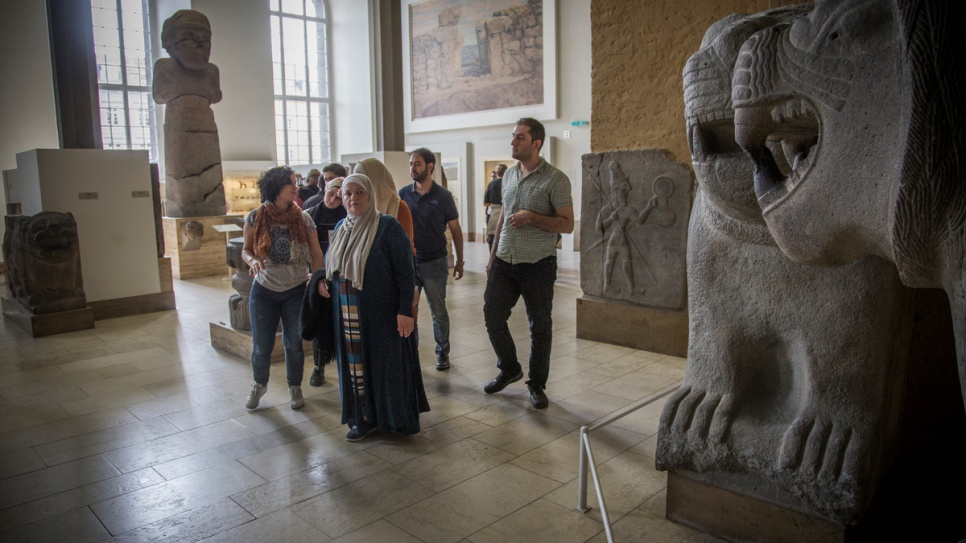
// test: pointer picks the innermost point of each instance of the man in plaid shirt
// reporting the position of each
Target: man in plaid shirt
(537, 206)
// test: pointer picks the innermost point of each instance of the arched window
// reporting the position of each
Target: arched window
(301, 77)
(122, 46)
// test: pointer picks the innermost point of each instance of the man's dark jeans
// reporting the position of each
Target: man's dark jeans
(504, 286)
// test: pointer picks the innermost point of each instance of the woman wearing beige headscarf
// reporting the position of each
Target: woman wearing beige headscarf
(370, 277)
(386, 195)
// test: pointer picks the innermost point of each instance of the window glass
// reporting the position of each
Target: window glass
(122, 50)
(301, 81)
(294, 7)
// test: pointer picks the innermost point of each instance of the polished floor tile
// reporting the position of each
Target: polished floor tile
(79, 525)
(470, 506)
(194, 525)
(163, 500)
(357, 504)
(136, 431)
(540, 522)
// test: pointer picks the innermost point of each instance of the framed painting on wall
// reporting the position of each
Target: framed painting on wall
(478, 62)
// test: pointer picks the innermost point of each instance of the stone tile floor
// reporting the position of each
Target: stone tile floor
(136, 431)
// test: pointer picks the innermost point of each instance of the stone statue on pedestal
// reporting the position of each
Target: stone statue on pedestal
(188, 84)
(241, 281)
(42, 254)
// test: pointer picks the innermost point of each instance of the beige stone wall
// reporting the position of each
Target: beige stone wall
(639, 51)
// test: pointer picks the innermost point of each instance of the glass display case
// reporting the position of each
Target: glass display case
(241, 191)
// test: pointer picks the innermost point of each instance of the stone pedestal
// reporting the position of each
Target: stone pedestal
(196, 249)
(652, 329)
(47, 324)
(239, 343)
(737, 517)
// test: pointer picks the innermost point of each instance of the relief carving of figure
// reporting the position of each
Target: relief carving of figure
(616, 219)
(42, 254)
(188, 84)
(794, 374)
(853, 116)
(614, 222)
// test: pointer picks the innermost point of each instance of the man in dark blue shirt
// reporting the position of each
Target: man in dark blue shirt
(433, 210)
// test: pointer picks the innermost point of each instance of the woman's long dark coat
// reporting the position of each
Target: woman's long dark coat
(394, 381)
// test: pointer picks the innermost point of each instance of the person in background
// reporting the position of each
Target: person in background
(537, 205)
(282, 248)
(370, 278)
(493, 200)
(309, 187)
(434, 210)
(329, 172)
(325, 215)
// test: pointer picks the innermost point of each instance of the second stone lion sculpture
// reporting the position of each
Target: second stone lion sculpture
(42, 254)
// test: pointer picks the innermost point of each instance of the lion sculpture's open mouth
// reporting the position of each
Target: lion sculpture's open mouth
(783, 140)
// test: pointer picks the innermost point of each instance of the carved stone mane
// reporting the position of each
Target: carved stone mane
(931, 205)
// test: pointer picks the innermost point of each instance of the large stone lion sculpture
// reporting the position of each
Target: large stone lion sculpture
(854, 117)
(793, 377)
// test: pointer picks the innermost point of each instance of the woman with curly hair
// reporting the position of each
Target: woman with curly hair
(282, 248)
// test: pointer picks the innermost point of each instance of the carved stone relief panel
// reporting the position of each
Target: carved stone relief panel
(634, 221)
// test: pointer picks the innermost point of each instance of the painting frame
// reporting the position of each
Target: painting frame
(547, 110)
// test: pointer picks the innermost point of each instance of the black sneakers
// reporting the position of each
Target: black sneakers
(442, 363)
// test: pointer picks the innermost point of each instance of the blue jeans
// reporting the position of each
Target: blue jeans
(504, 286)
(431, 278)
(267, 307)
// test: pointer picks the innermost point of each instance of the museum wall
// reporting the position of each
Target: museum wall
(639, 51)
(353, 115)
(27, 95)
